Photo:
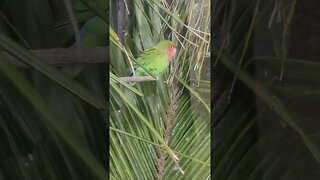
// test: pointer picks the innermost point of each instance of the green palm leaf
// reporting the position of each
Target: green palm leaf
(167, 106)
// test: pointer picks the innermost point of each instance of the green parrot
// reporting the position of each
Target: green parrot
(156, 59)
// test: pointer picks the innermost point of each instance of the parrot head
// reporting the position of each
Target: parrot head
(168, 47)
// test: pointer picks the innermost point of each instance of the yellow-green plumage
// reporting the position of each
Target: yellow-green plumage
(155, 59)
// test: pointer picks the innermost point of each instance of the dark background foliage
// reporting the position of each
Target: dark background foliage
(269, 129)
(50, 126)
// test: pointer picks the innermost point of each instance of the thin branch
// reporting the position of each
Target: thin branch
(68, 56)
(138, 78)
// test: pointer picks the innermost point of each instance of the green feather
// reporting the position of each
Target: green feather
(155, 59)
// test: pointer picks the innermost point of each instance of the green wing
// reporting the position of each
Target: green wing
(145, 57)
(153, 60)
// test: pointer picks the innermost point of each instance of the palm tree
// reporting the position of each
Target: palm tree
(160, 129)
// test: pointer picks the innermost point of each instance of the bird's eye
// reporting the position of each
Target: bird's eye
(171, 47)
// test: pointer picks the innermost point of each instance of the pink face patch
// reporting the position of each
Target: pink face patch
(172, 50)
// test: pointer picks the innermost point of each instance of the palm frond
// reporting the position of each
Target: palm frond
(166, 104)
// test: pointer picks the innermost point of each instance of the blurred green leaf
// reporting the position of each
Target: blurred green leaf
(30, 59)
(39, 104)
